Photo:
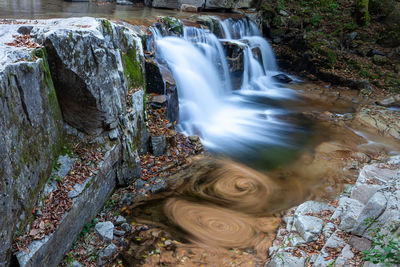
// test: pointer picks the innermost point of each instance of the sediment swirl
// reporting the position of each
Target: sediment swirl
(212, 225)
(234, 186)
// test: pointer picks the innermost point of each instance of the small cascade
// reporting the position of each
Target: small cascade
(233, 122)
(212, 49)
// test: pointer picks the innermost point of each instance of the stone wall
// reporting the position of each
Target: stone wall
(81, 74)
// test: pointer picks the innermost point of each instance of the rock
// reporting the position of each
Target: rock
(113, 134)
(371, 178)
(124, 2)
(379, 60)
(105, 230)
(107, 253)
(75, 264)
(359, 243)
(154, 78)
(235, 58)
(159, 145)
(393, 101)
(328, 229)
(372, 210)
(50, 250)
(30, 127)
(227, 4)
(374, 52)
(118, 220)
(345, 257)
(308, 227)
(171, 4)
(296, 240)
(211, 22)
(363, 192)
(173, 103)
(78, 189)
(285, 259)
(323, 258)
(126, 227)
(348, 211)
(383, 121)
(188, 8)
(282, 78)
(158, 186)
(92, 87)
(126, 199)
(119, 232)
(158, 101)
(312, 207)
(25, 30)
(65, 165)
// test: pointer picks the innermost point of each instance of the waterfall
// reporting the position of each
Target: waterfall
(227, 121)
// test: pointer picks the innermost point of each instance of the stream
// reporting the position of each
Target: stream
(272, 145)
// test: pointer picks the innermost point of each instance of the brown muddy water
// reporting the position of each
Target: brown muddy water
(219, 203)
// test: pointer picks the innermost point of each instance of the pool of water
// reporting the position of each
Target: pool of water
(44, 9)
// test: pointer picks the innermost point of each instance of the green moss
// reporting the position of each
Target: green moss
(362, 13)
(106, 26)
(173, 24)
(132, 69)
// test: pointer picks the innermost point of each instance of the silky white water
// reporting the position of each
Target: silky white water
(227, 121)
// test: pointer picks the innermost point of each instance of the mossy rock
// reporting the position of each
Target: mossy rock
(362, 12)
(210, 22)
(173, 24)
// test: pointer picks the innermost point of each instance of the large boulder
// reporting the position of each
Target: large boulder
(207, 4)
(93, 65)
(227, 4)
(31, 135)
(89, 73)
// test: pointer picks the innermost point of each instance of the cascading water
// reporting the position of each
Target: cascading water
(231, 122)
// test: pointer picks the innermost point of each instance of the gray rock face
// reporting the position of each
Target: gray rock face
(348, 211)
(66, 164)
(285, 259)
(372, 210)
(380, 205)
(105, 230)
(119, 220)
(207, 4)
(312, 207)
(228, 4)
(30, 132)
(159, 145)
(51, 249)
(87, 67)
(345, 256)
(333, 242)
(106, 253)
(97, 69)
(308, 227)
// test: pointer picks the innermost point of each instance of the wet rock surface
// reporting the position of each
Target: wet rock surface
(345, 233)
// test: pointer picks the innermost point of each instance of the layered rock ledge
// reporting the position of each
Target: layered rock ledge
(64, 83)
